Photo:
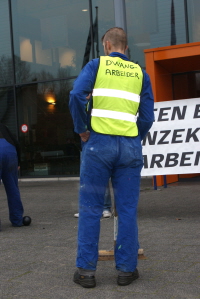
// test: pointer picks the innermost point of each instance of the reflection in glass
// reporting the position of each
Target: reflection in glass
(50, 147)
(151, 24)
(103, 19)
(194, 20)
(7, 111)
(50, 36)
(5, 46)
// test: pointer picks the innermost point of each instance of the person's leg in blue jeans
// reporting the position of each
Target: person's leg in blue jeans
(94, 178)
(107, 213)
(9, 176)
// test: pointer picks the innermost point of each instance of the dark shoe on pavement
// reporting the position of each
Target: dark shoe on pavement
(85, 281)
(126, 280)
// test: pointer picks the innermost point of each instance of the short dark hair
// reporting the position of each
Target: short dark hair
(117, 36)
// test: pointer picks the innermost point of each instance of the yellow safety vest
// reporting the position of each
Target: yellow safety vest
(116, 97)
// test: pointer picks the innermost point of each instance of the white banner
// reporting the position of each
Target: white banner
(172, 146)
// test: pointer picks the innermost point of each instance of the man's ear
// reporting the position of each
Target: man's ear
(126, 48)
(109, 45)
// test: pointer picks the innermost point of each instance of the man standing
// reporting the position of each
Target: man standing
(121, 90)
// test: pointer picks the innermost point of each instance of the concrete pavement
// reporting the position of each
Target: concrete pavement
(38, 262)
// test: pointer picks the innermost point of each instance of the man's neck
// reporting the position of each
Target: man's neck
(117, 50)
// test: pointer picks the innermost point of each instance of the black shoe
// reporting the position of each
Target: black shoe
(26, 220)
(125, 280)
(85, 281)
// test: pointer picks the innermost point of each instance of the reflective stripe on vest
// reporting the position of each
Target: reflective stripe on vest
(114, 115)
(105, 92)
(116, 97)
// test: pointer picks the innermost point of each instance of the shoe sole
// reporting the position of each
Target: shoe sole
(86, 283)
(126, 280)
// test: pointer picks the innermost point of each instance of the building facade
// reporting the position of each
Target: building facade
(44, 45)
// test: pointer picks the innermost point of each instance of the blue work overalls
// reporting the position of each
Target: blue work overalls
(120, 158)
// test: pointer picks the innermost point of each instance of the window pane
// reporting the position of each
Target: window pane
(106, 20)
(154, 23)
(50, 36)
(7, 111)
(50, 146)
(5, 46)
(194, 20)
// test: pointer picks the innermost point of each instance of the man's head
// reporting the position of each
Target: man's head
(114, 40)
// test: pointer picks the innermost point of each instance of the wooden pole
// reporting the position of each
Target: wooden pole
(108, 255)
